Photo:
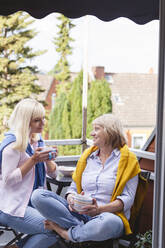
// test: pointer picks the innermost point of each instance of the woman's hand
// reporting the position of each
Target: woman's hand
(38, 156)
(70, 201)
(91, 210)
(51, 166)
(41, 155)
(55, 151)
(48, 225)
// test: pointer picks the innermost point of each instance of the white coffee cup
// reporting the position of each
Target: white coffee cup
(49, 149)
(81, 201)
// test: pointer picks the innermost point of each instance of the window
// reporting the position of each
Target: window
(117, 98)
(109, 78)
(138, 140)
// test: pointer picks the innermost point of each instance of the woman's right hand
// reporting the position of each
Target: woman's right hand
(70, 200)
(40, 155)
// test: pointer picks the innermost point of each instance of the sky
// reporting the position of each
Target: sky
(120, 45)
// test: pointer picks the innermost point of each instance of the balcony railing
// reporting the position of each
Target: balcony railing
(74, 158)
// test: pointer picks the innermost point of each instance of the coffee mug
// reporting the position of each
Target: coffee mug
(81, 201)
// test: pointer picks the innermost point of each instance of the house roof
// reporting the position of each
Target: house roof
(45, 81)
(134, 98)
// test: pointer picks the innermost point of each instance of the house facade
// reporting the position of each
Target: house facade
(48, 84)
(134, 97)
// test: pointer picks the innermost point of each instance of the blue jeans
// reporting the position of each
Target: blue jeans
(80, 227)
(33, 225)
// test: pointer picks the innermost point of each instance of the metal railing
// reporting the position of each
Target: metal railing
(139, 153)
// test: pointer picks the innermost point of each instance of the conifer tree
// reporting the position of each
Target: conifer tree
(16, 76)
(55, 119)
(62, 42)
(66, 119)
(99, 101)
(75, 98)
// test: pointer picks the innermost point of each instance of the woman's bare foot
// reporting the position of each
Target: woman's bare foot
(53, 226)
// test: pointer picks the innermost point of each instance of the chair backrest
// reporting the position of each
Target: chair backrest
(139, 199)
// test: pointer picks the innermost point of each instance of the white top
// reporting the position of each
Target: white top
(15, 191)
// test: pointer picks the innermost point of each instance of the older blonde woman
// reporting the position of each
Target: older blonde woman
(23, 166)
(108, 172)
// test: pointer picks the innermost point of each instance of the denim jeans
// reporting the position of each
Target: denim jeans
(80, 227)
(33, 225)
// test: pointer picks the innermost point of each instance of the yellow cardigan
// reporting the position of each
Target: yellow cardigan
(128, 168)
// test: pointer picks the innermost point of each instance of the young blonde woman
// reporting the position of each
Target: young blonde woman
(108, 172)
(23, 166)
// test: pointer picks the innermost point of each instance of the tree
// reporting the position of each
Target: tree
(66, 118)
(61, 70)
(16, 76)
(75, 99)
(55, 119)
(99, 101)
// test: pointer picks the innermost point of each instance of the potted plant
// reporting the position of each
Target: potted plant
(144, 240)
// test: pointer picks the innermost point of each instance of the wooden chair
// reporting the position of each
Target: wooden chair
(125, 240)
(129, 240)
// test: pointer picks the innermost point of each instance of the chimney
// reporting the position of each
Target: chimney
(98, 72)
(151, 70)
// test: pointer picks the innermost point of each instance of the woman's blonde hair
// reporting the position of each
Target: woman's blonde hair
(19, 122)
(113, 130)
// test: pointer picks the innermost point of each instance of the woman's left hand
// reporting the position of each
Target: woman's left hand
(55, 151)
(51, 165)
(91, 210)
(48, 225)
